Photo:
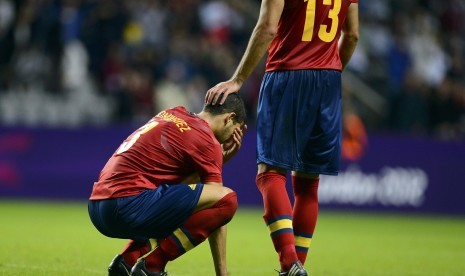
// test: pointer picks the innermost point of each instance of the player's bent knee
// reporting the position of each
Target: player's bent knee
(225, 191)
(228, 205)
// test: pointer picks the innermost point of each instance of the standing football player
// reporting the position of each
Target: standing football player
(309, 43)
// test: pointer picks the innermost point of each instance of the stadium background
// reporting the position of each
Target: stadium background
(77, 76)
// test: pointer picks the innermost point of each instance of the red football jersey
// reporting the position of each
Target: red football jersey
(307, 35)
(171, 146)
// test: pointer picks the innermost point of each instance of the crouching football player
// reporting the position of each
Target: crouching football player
(145, 192)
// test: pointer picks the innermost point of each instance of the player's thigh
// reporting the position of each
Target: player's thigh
(306, 175)
(210, 195)
(157, 213)
(263, 167)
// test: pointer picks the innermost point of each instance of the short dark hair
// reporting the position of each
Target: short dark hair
(233, 103)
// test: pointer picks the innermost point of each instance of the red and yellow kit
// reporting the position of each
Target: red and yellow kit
(171, 146)
(307, 35)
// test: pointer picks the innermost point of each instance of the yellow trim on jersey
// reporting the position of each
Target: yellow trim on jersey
(192, 186)
(183, 239)
(302, 241)
(280, 224)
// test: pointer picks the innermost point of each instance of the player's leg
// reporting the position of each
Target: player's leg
(102, 213)
(275, 156)
(305, 211)
(210, 195)
(271, 181)
(215, 208)
(141, 217)
(135, 249)
(318, 148)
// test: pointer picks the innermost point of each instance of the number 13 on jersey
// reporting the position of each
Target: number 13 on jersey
(325, 33)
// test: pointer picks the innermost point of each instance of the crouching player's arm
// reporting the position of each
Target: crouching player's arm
(217, 241)
(217, 205)
(220, 205)
(230, 148)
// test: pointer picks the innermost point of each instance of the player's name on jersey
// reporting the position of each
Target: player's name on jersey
(180, 123)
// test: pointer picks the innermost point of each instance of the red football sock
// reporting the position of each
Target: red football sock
(194, 231)
(305, 213)
(135, 250)
(278, 216)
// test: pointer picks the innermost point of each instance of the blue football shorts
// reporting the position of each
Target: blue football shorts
(299, 125)
(150, 214)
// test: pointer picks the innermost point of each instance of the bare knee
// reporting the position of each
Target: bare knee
(306, 175)
(262, 167)
(224, 191)
(212, 195)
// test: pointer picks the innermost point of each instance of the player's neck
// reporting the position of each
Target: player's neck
(206, 117)
(212, 121)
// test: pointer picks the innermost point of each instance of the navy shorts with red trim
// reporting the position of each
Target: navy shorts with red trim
(150, 214)
(299, 125)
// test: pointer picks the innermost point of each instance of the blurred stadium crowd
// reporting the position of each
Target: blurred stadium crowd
(99, 62)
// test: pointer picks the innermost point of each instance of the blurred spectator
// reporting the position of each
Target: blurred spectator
(76, 62)
(429, 62)
(411, 112)
(7, 17)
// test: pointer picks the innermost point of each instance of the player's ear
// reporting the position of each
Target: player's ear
(231, 117)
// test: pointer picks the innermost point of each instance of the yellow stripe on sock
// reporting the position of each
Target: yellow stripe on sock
(183, 239)
(302, 241)
(153, 243)
(153, 246)
(280, 224)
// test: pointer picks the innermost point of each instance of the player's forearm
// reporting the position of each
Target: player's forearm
(347, 48)
(262, 35)
(217, 241)
(256, 49)
(350, 33)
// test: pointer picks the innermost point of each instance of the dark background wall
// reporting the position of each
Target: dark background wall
(394, 173)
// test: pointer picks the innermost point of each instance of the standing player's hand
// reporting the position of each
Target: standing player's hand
(234, 143)
(221, 91)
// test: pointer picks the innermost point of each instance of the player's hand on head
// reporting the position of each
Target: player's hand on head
(220, 92)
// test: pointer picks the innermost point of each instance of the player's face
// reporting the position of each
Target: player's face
(228, 130)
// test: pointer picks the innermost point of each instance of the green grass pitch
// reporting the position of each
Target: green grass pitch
(38, 238)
